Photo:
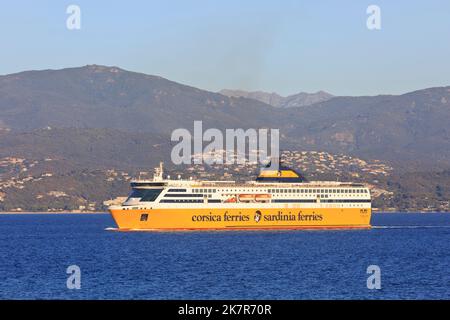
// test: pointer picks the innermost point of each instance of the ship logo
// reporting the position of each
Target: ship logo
(258, 215)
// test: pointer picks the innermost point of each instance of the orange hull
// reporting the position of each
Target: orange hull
(241, 219)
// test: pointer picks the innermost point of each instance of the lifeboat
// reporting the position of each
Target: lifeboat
(246, 197)
(265, 196)
(254, 197)
(230, 200)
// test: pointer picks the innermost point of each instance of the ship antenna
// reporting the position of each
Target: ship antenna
(161, 169)
(158, 176)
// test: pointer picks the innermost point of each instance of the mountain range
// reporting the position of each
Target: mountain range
(301, 99)
(409, 128)
(71, 138)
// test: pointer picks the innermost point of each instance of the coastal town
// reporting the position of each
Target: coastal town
(44, 185)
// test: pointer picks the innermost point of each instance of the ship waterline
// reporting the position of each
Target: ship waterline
(280, 199)
(241, 219)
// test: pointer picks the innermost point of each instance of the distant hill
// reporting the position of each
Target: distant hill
(411, 128)
(408, 127)
(272, 99)
(72, 138)
(304, 99)
(109, 97)
(88, 148)
(301, 99)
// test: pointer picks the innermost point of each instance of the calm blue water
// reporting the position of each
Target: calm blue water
(412, 251)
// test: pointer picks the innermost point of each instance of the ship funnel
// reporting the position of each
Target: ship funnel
(275, 171)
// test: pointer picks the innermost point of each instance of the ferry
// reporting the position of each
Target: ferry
(276, 200)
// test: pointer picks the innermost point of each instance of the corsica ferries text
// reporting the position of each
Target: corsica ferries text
(258, 216)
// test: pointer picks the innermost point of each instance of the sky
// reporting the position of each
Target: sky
(284, 46)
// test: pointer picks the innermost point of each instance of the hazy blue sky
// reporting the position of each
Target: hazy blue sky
(281, 46)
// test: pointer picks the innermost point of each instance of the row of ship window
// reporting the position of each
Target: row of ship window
(317, 191)
(273, 201)
(203, 190)
(187, 201)
(280, 190)
(298, 190)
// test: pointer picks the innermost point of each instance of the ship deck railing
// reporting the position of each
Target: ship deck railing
(245, 184)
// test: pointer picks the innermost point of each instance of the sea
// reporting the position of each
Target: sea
(81, 256)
